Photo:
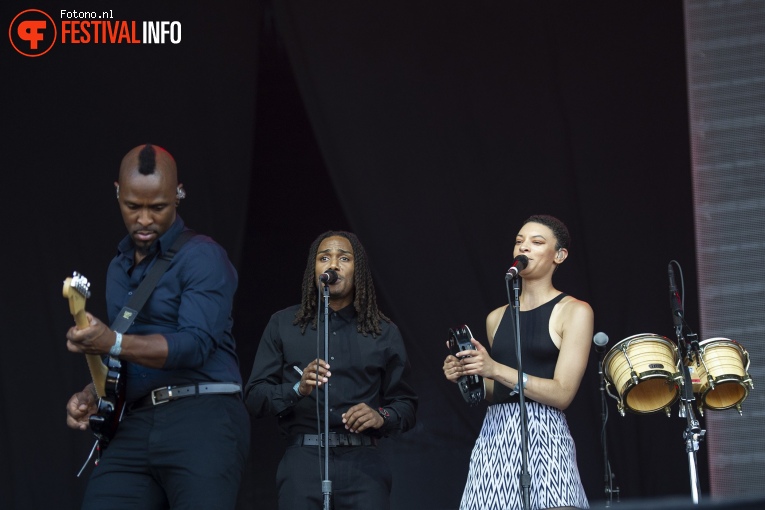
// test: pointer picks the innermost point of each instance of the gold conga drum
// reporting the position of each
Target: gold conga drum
(644, 370)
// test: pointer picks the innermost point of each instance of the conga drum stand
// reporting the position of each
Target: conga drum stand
(693, 433)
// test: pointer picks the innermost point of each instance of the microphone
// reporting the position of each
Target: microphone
(519, 264)
(600, 340)
(675, 303)
(328, 277)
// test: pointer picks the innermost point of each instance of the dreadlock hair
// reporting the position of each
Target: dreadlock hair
(147, 160)
(559, 230)
(364, 298)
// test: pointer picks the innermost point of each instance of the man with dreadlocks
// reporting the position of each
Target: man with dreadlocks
(365, 374)
(184, 436)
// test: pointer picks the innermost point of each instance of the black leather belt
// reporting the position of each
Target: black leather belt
(335, 439)
(168, 393)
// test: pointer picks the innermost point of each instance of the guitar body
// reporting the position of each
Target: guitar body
(471, 387)
(111, 406)
(108, 379)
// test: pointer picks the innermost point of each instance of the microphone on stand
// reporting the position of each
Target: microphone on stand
(600, 340)
(675, 303)
(519, 264)
(678, 314)
(328, 277)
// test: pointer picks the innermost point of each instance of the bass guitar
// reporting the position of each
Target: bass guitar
(107, 377)
(471, 387)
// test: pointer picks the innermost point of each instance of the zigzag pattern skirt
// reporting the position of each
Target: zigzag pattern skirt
(493, 481)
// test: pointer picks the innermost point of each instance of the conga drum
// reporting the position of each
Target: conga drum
(720, 374)
(644, 371)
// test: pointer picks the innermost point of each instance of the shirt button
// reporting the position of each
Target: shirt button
(130, 293)
(334, 332)
(331, 357)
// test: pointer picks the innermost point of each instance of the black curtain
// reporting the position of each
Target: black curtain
(431, 129)
(443, 126)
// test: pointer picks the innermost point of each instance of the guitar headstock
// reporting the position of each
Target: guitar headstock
(77, 291)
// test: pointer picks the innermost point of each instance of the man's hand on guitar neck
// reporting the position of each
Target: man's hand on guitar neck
(97, 338)
(80, 407)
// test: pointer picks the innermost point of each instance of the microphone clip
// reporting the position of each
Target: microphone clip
(692, 339)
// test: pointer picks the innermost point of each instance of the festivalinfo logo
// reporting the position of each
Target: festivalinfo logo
(33, 32)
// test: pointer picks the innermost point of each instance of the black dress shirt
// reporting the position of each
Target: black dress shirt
(365, 369)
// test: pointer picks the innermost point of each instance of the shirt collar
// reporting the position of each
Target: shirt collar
(348, 314)
(161, 245)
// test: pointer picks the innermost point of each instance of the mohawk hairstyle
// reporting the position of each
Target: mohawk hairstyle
(147, 160)
(364, 299)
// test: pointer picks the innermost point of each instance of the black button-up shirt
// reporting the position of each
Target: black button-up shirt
(365, 369)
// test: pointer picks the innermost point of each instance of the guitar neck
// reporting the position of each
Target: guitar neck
(98, 370)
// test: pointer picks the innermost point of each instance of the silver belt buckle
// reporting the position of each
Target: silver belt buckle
(156, 402)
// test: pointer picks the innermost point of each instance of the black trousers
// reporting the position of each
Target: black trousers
(361, 478)
(188, 453)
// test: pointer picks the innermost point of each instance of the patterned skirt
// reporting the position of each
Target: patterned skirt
(493, 481)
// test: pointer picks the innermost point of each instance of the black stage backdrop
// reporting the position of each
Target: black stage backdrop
(431, 129)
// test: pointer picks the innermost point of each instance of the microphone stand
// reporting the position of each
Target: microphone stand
(693, 433)
(326, 484)
(525, 477)
(608, 476)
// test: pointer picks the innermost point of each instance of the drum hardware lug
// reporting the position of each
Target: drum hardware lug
(711, 382)
(738, 408)
(668, 411)
(701, 409)
(634, 377)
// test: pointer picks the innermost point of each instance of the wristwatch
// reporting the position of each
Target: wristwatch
(384, 413)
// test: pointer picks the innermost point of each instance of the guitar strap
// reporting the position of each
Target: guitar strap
(130, 311)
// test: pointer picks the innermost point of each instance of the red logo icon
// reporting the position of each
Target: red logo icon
(32, 33)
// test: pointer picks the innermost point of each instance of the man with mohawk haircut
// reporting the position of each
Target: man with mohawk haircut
(184, 436)
(366, 373)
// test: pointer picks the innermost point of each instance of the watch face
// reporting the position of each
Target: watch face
(384, 413)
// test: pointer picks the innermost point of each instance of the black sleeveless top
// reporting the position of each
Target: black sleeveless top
(538, 352)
